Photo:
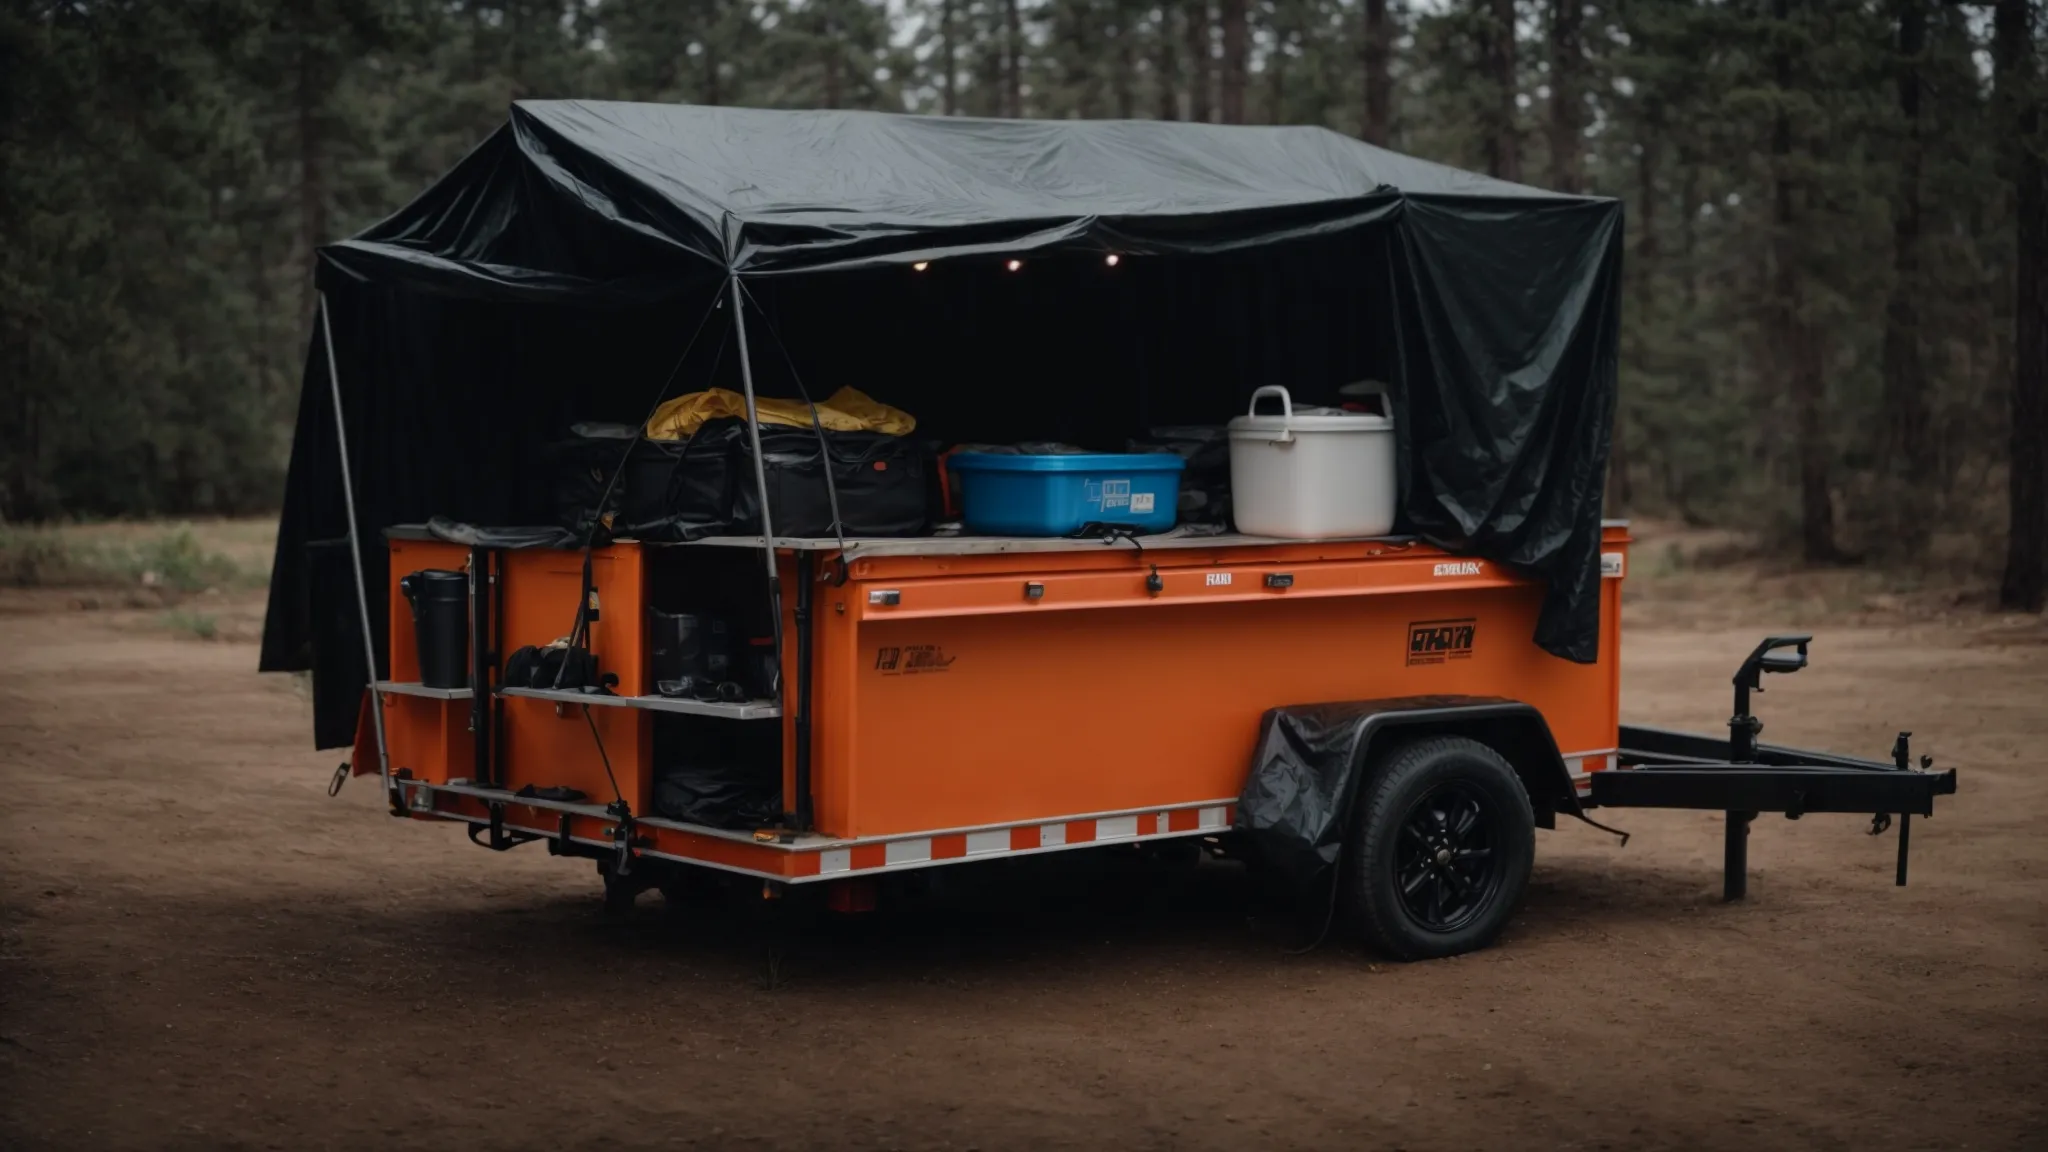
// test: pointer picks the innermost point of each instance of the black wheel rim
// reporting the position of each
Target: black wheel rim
(1448, 865)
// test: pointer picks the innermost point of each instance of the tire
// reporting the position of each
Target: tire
(1441, 848)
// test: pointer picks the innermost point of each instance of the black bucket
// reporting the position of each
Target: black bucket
(440, 625)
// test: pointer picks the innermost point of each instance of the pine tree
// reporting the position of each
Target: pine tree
(2016, 58)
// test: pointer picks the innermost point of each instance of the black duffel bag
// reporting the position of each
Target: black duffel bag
(705, 486)
(579, 467)
(880, 482)
(679, 490)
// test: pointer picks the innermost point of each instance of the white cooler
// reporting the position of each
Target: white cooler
(1310, 475)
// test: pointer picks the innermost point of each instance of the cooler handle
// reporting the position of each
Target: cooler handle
(1281, 436)
(1286, 401)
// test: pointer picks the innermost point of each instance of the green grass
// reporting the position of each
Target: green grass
(175, 559)
(198, 625)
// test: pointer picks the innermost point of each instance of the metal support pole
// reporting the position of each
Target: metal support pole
(1735, 856)
(1905, 843)
(806, 580)
(739, 319)
(355, 551)
(480, 659)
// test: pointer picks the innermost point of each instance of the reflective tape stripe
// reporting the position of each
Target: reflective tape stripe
(906, 851)
(1582, 763)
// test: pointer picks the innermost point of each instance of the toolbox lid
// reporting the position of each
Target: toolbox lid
(1085, 462)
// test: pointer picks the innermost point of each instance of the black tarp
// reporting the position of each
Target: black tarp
(555, 275)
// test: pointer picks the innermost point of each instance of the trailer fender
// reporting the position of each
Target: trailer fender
(1306, 775)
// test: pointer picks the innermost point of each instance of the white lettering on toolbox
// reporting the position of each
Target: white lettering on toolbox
(1458, 568)
(1218, 579)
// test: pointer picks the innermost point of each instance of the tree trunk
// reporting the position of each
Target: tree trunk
(1201, 49)
(1797, 343)
(1503, 145)
(1567, 97)
(515, 67)
(835, 82)
(948, 60)
(1689, 231)
(1230, 97)
(1376, 55)
(2025, 586)
(1121, 93)
(1649, 246)
(1276, 77)
(1013, 60)
(709, 34)
(312, 172)
(1620, 492)
(1166, 69)
(1909, 464)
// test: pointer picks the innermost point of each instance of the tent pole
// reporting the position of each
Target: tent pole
(355, 551)
(739, 319)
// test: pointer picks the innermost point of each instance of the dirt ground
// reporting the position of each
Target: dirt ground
(198, 949)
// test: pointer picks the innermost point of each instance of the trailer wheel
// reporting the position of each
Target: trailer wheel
(1441, 850)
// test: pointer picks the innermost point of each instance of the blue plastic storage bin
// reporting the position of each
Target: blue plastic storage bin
(1056, 495)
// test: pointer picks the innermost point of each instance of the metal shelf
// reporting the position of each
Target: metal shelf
(414, 688)
(745, 710)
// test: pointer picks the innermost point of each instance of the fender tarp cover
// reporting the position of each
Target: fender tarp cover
(1291, 813)
(557, 273)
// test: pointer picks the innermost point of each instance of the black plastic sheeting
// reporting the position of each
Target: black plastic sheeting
(1292, 813)
(554, 275)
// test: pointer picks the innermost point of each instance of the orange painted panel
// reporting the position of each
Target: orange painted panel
(550, 745)
(407, 557)
(540, 590)
(429, 737)
(966, 704)
(979, 707)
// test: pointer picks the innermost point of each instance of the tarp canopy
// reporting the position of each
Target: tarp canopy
(557, 273)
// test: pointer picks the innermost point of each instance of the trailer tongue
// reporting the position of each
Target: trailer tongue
(1741, 777)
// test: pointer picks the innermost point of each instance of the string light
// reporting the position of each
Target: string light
(920, 266)
(1015, 265)
(1112, 259)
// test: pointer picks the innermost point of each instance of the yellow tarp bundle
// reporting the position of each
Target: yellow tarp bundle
(847, 410)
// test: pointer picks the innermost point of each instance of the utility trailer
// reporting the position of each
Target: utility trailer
(1387, 720)
(963, 700)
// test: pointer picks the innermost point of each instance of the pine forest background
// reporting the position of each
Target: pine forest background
(1836, 331)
